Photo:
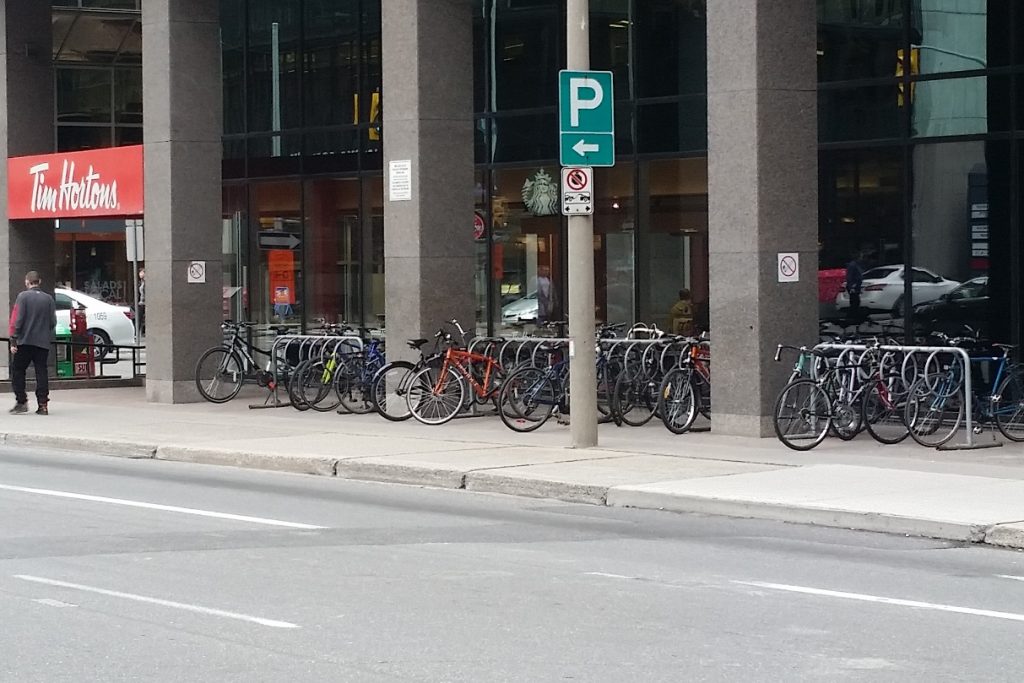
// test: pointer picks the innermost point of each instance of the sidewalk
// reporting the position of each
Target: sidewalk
(975, 496)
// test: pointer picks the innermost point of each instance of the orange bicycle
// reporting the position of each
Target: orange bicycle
(436, 395)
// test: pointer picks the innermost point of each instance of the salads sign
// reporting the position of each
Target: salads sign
(97, 182)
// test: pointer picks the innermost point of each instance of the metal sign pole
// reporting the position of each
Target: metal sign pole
(582, 370)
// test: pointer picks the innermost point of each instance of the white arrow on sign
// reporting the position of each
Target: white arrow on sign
(582, 148)
(279, 241)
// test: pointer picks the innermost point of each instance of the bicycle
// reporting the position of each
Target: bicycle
(435, 396)
(391, 383)
(222, 370)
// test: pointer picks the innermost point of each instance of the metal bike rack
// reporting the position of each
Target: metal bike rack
(307, 343)
(968, 387)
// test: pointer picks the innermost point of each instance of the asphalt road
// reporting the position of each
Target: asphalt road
(117, 569)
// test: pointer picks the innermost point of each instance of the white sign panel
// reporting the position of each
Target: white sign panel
(577, 191)
(134, 241)
(789, 267)
(196, 272)
(400, 180)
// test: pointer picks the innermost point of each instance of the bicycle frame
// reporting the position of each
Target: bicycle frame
(462, 361)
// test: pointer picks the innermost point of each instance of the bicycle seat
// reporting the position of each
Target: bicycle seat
(417, 343)
(1007, 347)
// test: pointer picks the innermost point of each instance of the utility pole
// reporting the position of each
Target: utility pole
(582, 360)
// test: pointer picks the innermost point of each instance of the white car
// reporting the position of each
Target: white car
(883, 289)
(522, 310)
(109, 324)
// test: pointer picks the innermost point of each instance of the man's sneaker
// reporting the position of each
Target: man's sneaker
(19, 408)
(42, 410)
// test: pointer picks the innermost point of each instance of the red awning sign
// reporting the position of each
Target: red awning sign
(98, 182)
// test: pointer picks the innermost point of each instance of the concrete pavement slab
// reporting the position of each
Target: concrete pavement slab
(918, 503)
(587, 480)
(450, 468)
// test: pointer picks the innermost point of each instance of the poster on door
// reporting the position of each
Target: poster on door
(281, 268)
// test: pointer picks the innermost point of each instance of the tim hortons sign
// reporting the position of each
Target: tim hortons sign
(98, 182)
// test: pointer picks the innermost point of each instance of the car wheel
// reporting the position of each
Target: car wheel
(100, 339)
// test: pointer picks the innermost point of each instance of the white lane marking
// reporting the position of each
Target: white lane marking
(157, 601)
(53, 603)
(156, 506)
(609, 576)
(1011, 577)
(1011, 616)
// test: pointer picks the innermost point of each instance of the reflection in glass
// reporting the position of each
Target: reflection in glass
(614, 244)
(672, 249)
(334, 245)
(527, 261)
(277, 282)
(961, 238)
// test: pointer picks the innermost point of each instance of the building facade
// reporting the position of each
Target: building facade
(881, 131)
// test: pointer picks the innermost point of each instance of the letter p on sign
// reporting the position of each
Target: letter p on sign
(578, 102)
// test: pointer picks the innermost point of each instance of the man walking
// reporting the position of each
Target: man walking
(33, 322)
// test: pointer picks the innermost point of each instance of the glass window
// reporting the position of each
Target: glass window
(961, 217)
(278, 270)
(273, 87)
(524, 138)
(959, 106)
(859, 39)
(128, 96)
(860, 231)
(331, 63)
(611, 26)
(875, 112)
(672, 249)
(526, 54)
(84, 95)
(334, 245)
(77, 138)
(373, 264)
(527, 248)
(960, 36)
(671, 47)
(674, 126)
(233, 247)
(615, 244)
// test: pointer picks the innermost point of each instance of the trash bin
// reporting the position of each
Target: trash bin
(65, 366)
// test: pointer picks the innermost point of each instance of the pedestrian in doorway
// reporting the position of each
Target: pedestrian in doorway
(32, 328)
(142, 301)
(854, 282)
(681, 316)
(546, 300)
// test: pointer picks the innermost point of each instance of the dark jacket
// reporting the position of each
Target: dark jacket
(34, 319)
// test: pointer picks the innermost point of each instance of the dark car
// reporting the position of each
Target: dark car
(967, 305)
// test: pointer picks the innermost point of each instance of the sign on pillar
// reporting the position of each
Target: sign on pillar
(586, 118)
(577, 191)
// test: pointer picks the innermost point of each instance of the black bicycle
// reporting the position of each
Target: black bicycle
(222, 370)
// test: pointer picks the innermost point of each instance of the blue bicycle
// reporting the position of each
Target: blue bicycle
(935, 408)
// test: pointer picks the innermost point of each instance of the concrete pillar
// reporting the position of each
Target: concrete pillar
(427, 103)
(26, 127)
(763, 195)
(183, 125)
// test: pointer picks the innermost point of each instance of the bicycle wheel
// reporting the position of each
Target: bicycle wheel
(306, 386)
(633, 400)
(803, 413)
(323, 375)
(934, 411)
(1009, 407)
(390, 385)
(882, 410)
(219, 375)
(676, 395)
(436, 396)
(354, 388)
(606, 375)
(846, 419)
(527, 399)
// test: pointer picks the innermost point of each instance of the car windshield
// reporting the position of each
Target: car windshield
(879, 273)
(83, 299)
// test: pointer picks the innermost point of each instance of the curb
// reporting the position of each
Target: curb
(1007, 535)
(113, 447)
(319, 466)
(484, 481)
(841, 519)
